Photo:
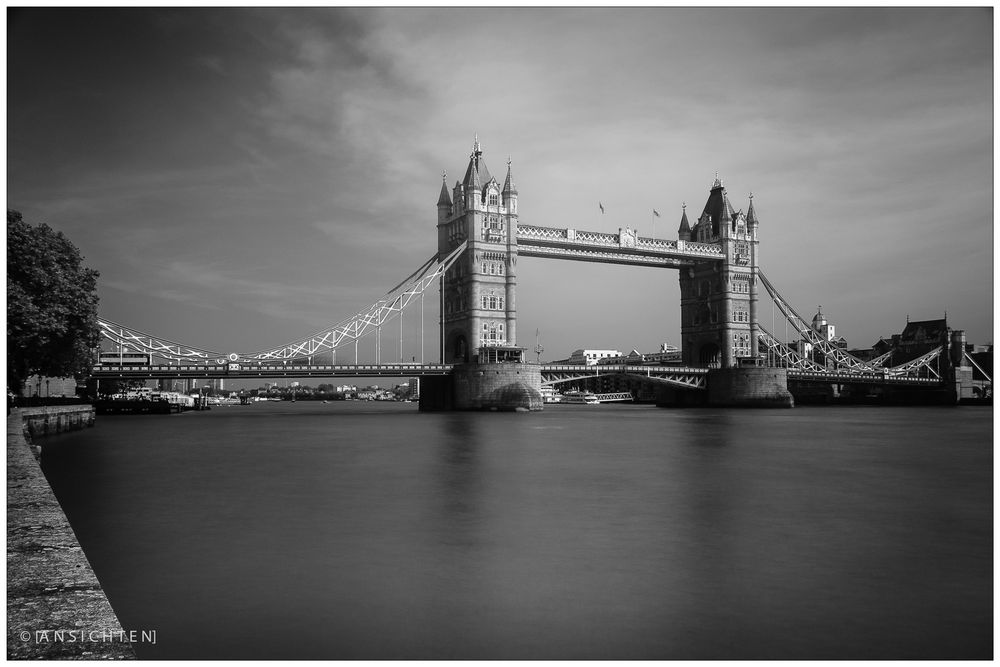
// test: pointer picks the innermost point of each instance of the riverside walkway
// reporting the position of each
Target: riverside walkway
(56, 608)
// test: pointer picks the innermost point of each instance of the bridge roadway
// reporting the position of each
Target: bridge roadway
(860, 377)
(552, 373)
(107, 371)
(678, 376)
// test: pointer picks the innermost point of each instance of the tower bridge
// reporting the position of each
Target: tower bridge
(726, 354)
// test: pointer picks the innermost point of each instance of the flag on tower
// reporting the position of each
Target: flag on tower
(602, 206)
(656, 213)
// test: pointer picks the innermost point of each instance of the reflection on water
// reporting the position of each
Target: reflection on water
(616, 532)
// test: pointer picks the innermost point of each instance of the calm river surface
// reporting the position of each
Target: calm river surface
(372, 531)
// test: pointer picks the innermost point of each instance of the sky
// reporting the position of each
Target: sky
(244, 177)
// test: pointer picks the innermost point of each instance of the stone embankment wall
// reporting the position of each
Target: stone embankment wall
(56, 608)
(44, 421)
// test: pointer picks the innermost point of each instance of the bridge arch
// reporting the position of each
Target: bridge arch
(709, 355)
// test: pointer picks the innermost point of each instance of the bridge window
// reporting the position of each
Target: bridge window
(492, 334)
(494, 200)
(741, 344)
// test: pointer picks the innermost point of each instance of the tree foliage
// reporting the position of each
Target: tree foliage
(51, 304)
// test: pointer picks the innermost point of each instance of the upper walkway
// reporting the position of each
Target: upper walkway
(626, 247)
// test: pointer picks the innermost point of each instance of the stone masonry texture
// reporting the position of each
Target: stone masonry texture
(56, 608)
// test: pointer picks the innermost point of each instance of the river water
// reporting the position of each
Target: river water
(355, 530)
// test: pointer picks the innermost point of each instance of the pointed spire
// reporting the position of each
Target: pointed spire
(445, 198)
(751, 214)
(508, 184)
(718, 181)
(684, 231)
(477, 174)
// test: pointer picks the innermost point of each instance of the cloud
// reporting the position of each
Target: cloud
(213, 63)
(287, 161)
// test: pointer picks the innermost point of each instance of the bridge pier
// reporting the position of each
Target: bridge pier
(749, 387)
(484, 386)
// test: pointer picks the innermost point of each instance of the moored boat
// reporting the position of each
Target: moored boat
(580, 398)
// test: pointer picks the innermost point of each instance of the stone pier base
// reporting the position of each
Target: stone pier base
(750, 387)
(501, 386)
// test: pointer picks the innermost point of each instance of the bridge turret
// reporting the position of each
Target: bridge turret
(718, 299)
(476, 176)
(458, 195)
(725, 219)
(684, 231)
(444, 200)
(478, 299)
(509, 192)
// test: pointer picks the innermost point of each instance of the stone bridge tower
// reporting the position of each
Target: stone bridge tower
(477, 301)
(719, 298)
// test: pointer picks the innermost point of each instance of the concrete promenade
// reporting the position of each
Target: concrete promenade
(50, 584)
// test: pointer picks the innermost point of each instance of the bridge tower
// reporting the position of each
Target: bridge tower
(719, 298)
(478, 311)
(478, 307)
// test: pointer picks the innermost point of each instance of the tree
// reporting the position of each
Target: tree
(51, 305)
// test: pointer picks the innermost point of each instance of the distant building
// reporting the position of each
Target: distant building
(667, 354)
(920, 337)
(881, 346)
(42, 386)
(591, 357)
(633, 358)
(827, 332)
